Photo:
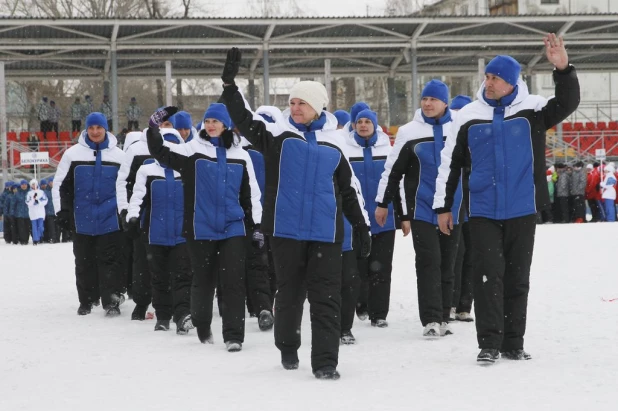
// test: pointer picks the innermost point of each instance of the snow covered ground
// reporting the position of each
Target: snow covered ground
(54, 360)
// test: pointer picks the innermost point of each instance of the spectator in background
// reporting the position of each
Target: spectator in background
(36, 201)
(343, 117)
(563, 184)
(608, 186)
(5, 200)
(77, 112)
(577, 193)
(88, 106)
(22, 218)
(106, 109)
(54, 116)
(59, 232)
(33, 141)
(10, 212)
(43, 115)
(133, 112)
(593, 194)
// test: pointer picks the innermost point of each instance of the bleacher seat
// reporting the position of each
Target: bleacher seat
(567, 126)
(11, 136)
(591, 126)
(612, 125)
(23, 136)
(51, 136)
(578, 126)
(65, 136)
(601, 125)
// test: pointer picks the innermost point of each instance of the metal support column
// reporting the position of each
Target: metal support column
(328, 83)
(168, 83)
(414, 65)
(5, 172)
(266, 76)
(481, 71)
(390, 85)
(114, 89)
(251, 89)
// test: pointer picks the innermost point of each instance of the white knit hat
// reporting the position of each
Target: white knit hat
(313, 92)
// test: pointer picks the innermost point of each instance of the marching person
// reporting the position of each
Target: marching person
(36, 199)
(8, 216)
(22, 216)
(157, 206)
(369, 148)
(84, 196)
(416, 154)
(501, 137)
(184, 125)
(222, 205)
(308, 184)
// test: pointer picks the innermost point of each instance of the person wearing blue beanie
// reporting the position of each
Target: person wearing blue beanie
(354, 110)
(436, 89)
(501, 140)
(183, 123)
(505, 67)
(458, 102)
(96, 119)
(218, 112)
(23, 182)
(343, 117)
(371, 116)
(172, 138)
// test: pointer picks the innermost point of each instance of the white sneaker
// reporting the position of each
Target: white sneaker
(445, 329)
(464, 317)
(452, 314)
(431, 330)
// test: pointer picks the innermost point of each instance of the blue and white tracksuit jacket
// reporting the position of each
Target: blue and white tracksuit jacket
(503, 143)
(85, 185)
(221, 193)
(416, 155)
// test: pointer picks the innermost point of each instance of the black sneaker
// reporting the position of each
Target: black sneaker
(112, 311)
(379, 323)
(184, 325)
(361, 312)
(266, 320)
(516, 355)
(488, 355)
(347, 338)
(84, 309)
(289, 361)
(139, 313)
(162, 325)
(205, 335)
(327, 373)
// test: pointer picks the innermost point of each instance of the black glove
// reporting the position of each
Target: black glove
(63, 218)
(232, 64)
(363, 240)
(161, 115)
(123, 220)
(257, 239)
(35, 194)
(133, 229)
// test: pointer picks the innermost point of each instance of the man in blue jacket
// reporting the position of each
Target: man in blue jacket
(85, 199)
(501, 137)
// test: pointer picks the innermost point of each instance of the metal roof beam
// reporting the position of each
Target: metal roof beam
(366, 62)
(382, 30)
(78, 32)
(4, 30)
(235, 32)
(539, 56)
(523, 27)
(454, 29)
(148, 33)
(593, 29)
(302, 32)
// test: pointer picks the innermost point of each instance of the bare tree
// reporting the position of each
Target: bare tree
(269, 8)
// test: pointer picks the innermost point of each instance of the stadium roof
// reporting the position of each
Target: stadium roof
(356, 46)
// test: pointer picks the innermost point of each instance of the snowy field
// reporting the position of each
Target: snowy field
(54, 360)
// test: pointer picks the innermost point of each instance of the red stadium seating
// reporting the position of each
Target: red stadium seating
(590, 126)
(578, 126)
(601, 125)
(11, 136)
(567, 127)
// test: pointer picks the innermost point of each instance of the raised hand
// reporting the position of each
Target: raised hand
(555, 51)
(232, 64)
(162, 115)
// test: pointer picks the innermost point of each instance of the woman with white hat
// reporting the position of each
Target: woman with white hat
(308, 189)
